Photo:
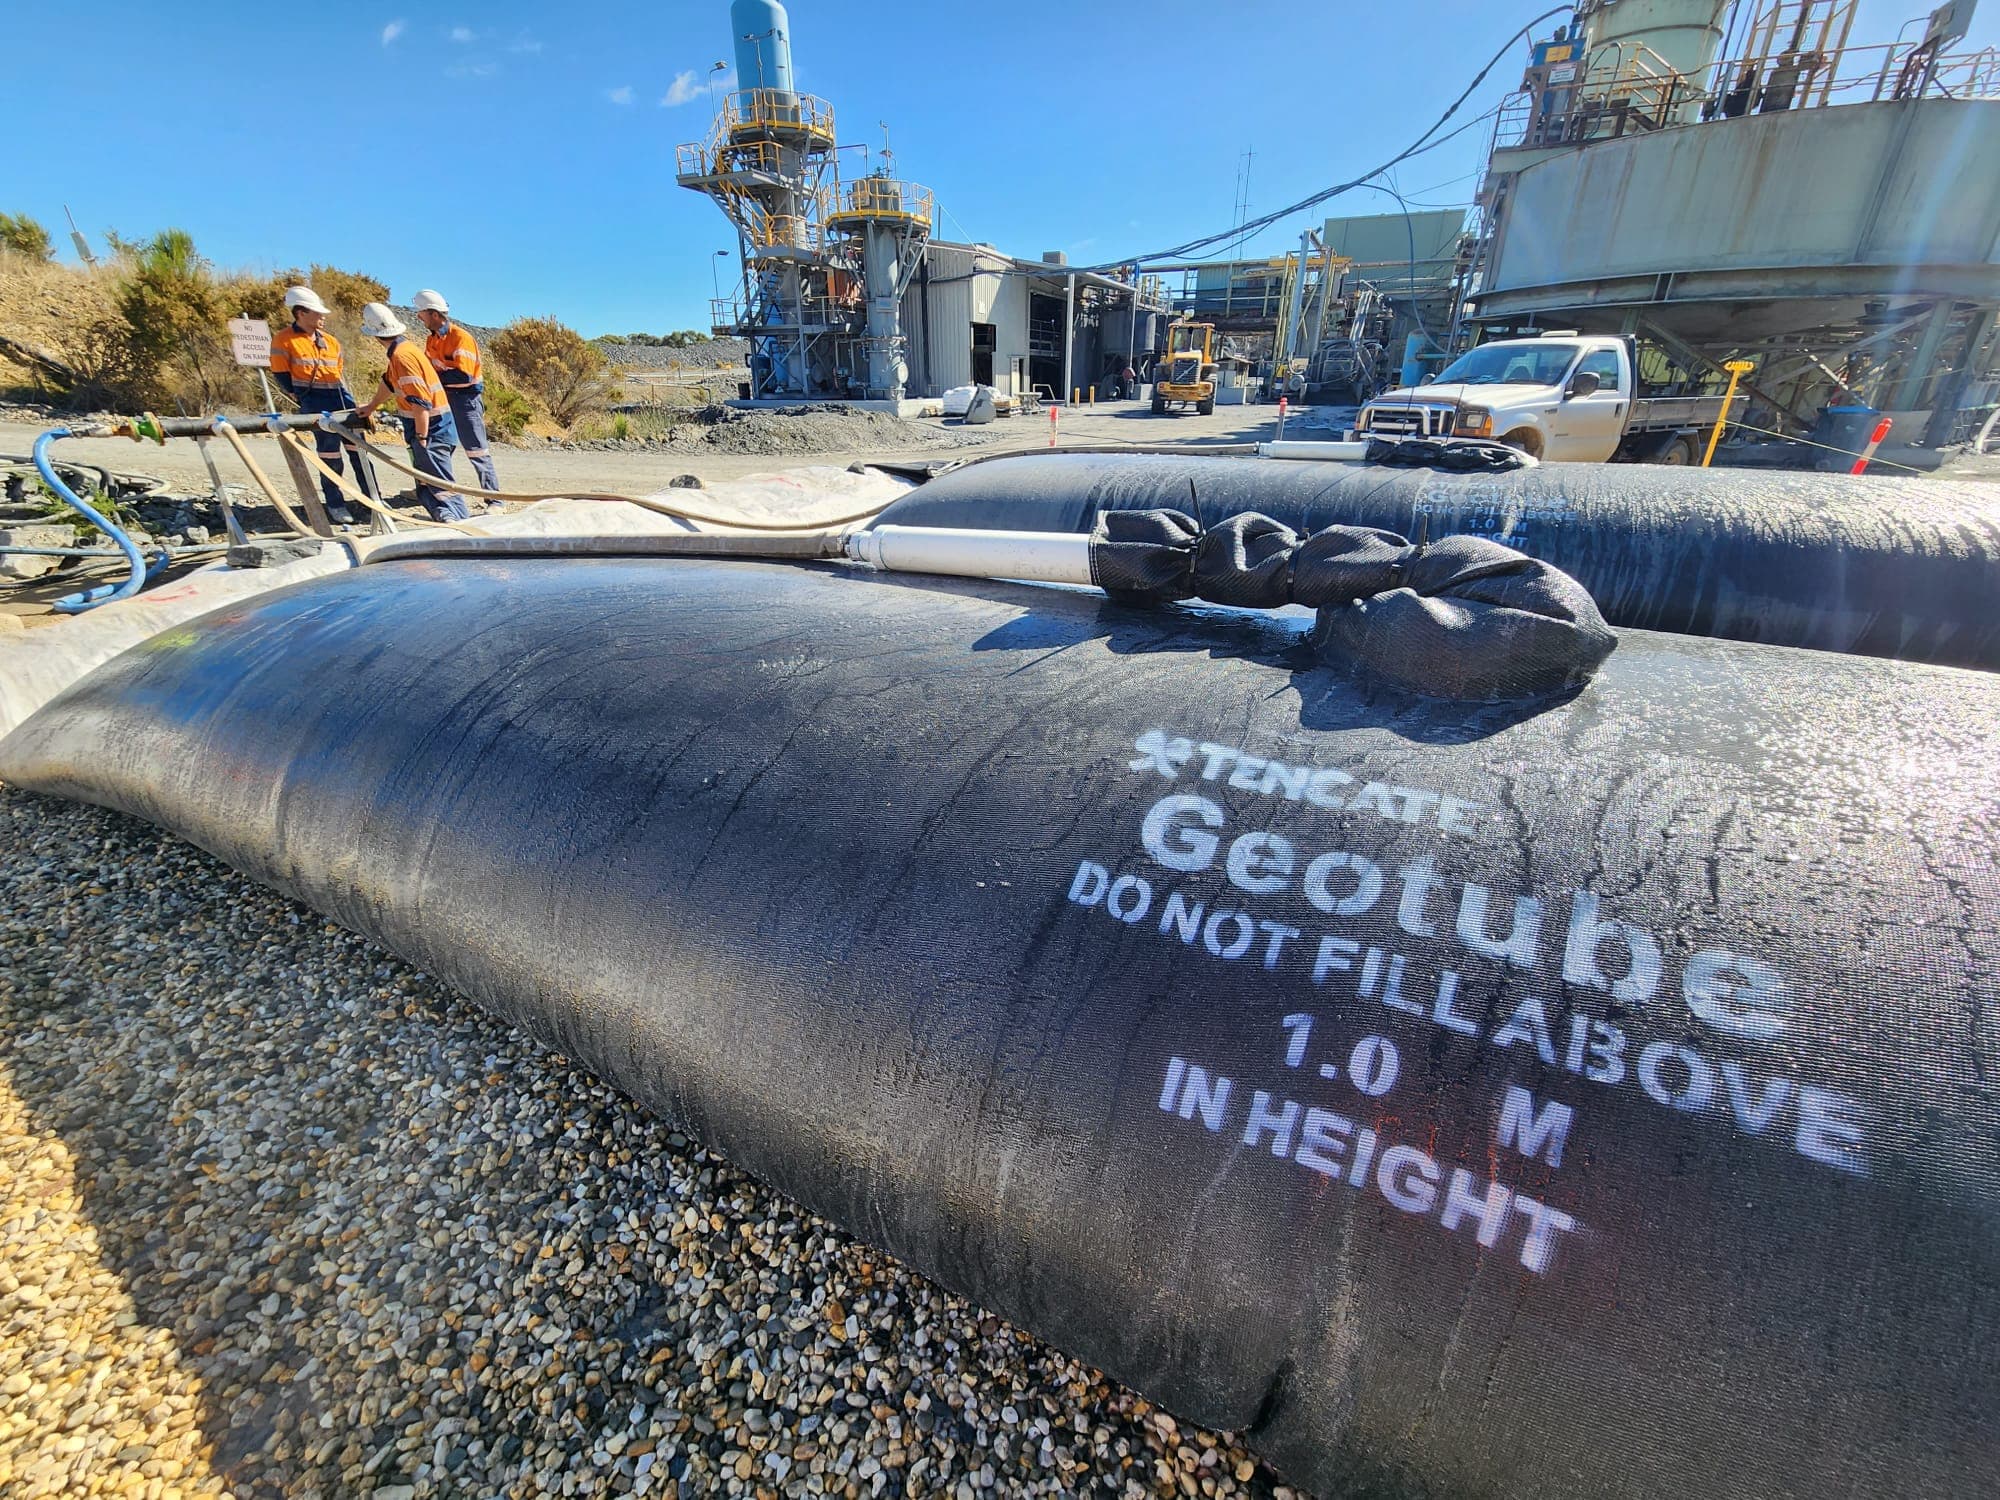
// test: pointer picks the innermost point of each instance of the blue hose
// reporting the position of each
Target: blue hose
(76, 604)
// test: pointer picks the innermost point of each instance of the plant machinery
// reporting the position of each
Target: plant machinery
(1189, 369)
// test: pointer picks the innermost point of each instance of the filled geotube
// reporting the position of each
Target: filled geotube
(1902, 568)
(1586, 1098)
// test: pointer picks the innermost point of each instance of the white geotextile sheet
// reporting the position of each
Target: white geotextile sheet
(37, 664)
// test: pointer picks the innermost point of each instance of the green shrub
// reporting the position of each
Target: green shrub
(349, 291)
(25, 236)
(620, 428)
(507, 410)
(557, 366)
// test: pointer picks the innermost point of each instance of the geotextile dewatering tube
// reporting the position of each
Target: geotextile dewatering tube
(1582, 1098)
(1903, 568)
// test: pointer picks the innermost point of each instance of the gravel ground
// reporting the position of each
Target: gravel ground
(280, 1215)
(797, 430)
(714, 354)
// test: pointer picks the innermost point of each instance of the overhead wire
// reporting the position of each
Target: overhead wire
(1264, 221)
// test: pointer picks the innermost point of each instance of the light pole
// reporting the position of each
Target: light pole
(714, 285)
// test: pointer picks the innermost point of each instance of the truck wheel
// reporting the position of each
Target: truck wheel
(1679, 452)
(1159, 406)
(1526, 439)
(1206, 406)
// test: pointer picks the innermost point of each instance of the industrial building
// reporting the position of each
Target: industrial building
(846, 296)
(1746, 181)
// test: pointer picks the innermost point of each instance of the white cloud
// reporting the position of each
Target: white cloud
(461, 34)
(472, 70)
(525, 43)
(620, 95)
(685, 88)
(390, 32)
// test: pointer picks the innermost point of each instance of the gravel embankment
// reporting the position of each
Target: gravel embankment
(798, 430)
(713, 354)
(280, 1215)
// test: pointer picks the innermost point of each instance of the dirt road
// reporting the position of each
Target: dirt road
(641, 471)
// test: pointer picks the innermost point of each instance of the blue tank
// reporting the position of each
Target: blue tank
(763, 44)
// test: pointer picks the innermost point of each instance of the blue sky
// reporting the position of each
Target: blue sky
(521, 157)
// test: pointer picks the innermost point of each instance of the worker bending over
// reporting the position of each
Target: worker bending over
(412, 382)
(308, 364)
(455, 354)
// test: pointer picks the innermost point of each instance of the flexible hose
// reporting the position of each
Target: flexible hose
(354, 492)
(291, 518)
(77, 603)
(678, 513)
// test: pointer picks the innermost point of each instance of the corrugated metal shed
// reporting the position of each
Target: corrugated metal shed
(1380, 245)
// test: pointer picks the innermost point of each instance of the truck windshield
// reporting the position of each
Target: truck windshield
(1512, 364)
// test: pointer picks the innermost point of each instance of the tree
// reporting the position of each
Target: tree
(173, 312)
(564, 371)
(25, 236)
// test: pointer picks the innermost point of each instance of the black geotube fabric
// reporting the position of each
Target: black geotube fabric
(1465, 618)
(1901, 568)
(1591, 1099)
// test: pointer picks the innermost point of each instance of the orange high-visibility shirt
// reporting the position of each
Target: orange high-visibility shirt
(455, 353)
(307, 359)
(412, 380)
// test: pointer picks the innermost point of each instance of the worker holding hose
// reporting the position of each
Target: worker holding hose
(412, 382)
(455, 355)
(308, 365)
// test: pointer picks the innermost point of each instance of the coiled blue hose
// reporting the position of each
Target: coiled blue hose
(77, 603)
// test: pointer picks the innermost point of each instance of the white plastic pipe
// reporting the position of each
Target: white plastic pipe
(1035, 556)
(1328, 452)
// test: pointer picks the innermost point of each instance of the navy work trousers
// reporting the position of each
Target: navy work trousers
(433, 456)
(468, 410)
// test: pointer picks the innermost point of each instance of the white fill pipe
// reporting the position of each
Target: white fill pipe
(1329, 452)
(1035, 556)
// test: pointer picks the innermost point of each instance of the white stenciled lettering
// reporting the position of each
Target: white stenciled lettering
(1754, 1113)
(1129, 899)
(1535, 1133)
(1090, 884)
(1419, 880)
(1330, 787)
(1260, 863)
(1689, 1094)
(1408, 1178)
(1488, 1205)
(1367, 878)
(1171, 837)
(1162, 755)
(1242, 931)
(1300, 1025)
(1276, 935)
(1275, 1123)
(1199, 1093)
(1443, 1014)
(1323, 787)
(1596, 1050)
(1538, 1246)
(1588, 933)
(1830, 1129)
(1323, 1141)
(1335, 953)
(1373, 1065)
(1528, 1023)
(1522, 945)
(1738, 995)
(1182, 917)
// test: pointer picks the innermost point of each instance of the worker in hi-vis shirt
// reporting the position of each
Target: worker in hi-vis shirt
(454, 354)
(412, 383)
(309, 366)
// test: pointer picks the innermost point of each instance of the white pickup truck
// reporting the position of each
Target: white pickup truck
(1564, 397)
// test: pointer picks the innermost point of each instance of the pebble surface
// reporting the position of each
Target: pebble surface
(281, 1216)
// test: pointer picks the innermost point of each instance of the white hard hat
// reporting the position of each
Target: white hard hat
(430, 301)
(379, 321)
(303, 296)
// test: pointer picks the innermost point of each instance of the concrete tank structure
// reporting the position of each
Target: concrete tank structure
(1830, 213)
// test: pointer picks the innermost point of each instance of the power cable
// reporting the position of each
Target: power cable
(1192, 247)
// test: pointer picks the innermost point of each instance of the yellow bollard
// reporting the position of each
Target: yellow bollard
(1737, 369)
(1093, 395)
(1076, 395)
